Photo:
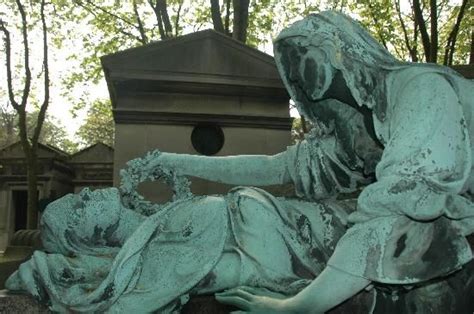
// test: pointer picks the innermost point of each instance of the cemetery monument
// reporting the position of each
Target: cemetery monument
(401, 134)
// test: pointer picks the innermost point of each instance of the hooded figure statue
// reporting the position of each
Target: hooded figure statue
(384, 198)
(412, 121)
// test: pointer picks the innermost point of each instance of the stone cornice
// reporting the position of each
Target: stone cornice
(167, 118)
(135, 86)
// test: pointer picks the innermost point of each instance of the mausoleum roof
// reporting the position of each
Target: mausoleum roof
(15, 150)
(97, 153)
(196, 62)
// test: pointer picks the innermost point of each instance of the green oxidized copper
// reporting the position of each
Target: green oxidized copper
(383, 183)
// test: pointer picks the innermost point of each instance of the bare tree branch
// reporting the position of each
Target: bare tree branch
(128, 34)
(7, 42)
(176, 20)
(24, 31)
(416, 29)
(98, 7)
(227, 17)
(411, 51)
(451, 43)
(44, 106)
(159, 20)
(120, 30)
(471, 56)
(143, 38)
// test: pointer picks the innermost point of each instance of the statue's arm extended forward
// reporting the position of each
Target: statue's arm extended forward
(329, 289)
(257, 170)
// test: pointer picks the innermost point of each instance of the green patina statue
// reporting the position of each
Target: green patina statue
(398, 135)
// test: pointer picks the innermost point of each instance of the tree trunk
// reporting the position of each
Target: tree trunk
(411, 49)
(163, 6)
(241, 20)
(216, 16)
(32, 209)
(227, 17)
(471, 57)
(176, 21)
(29, 145)
(30, 152)
(425, 38)
(160, 8)
(434, 31)
(451, 44)
(141, 29)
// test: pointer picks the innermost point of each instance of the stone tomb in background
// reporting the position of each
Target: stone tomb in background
(58, 174)
(54, 180)
(202, 93)
(93, 167)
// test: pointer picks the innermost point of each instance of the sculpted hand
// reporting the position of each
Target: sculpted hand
(165, 161)
(254, 300)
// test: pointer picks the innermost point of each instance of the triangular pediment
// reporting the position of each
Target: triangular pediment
(197, 57)
(15, 150)
(97, 153)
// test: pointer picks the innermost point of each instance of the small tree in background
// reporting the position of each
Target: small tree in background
(19, 104)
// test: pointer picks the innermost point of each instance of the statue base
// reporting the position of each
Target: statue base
(25, 303)
(20, 303)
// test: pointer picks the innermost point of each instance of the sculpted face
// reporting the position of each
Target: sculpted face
(312, 79)
(308, 71)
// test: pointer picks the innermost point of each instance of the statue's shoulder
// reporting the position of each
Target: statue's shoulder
(415, 80)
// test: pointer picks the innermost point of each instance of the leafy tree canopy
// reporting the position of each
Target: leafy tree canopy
(99, 125)
(52, 133)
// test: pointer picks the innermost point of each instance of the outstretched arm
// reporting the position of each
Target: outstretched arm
(329, 289)
(258, 170)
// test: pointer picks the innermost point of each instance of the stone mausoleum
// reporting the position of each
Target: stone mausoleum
(202, 93)
(58, 174)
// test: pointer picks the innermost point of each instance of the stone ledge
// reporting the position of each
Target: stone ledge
(24, 303)
(20, 303)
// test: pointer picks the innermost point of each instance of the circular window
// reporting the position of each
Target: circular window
(207, 139)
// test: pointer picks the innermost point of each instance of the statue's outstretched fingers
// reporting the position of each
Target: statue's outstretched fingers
(262, 292)
(234, 300)
(240, 292)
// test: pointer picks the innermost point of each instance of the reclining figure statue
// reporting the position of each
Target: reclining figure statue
(384, 184)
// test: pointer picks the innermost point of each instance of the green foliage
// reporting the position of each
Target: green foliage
(89, 29)
(99, 125)
(464, 40)
(52, 133)
(390, 20)
(113, 26)
(297, 132)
